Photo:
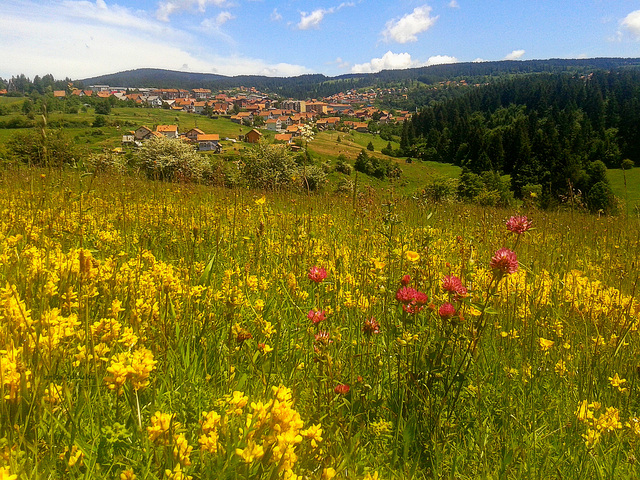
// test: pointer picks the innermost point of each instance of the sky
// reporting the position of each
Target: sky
(84, 38)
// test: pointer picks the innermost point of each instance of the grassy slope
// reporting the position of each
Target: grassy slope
(326, 147)
(632, 193)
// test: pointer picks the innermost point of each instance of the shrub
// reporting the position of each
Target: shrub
(269, 167)
(312, 177)
(107, 161)
(100, 121)
(601, 198)
(441, 190)
(343, 166)
(42, 148)
(164, 158)
(376, 167)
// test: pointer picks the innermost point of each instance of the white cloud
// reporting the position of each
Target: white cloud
(439, 60)
(515, 55)
(313, 19)
(342, 64)
(407, 28)
(389, 61)
(223, 17)
(275, 16)
(166, 8)
(454, 4)
(632, 23)
(479, 60)
(80, 39)
(399, 61)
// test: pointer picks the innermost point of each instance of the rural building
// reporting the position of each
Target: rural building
(169, 131)
(143, 133)
(193, 134)
(253, 136)
(209, 142)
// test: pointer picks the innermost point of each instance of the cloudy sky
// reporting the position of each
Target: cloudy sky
(82, 38)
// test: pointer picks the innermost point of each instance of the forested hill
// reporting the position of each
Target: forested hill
(307, 86)
(545, 130)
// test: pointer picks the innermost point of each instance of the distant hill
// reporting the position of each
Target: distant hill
(304, 86)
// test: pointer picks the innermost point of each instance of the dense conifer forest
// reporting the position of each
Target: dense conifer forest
(554, 131)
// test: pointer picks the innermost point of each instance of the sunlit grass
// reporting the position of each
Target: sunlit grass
(161, 330)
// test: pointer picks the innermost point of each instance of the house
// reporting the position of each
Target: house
(317, 107)
(3, 91)
(253, 136)
(169, 131)
(201, 93)
(283, 137)
(198, 107)
(295, 105)
(361, 127)
(209, 142)
(143, 133)
(273, 124)
(154, 101)
(221, 107)
(59, 93)
(128, 139)
(294, 130)
(193, 134)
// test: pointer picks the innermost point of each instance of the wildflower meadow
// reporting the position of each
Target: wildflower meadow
(167, 331)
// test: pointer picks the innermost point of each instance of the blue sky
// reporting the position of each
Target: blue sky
(81, 38)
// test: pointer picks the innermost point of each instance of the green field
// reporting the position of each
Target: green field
(630, 193)
(167, 329)
(325, 147)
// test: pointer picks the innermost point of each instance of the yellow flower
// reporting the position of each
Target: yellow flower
(5, 475)
(618, 383)
(412, 256)
(328, 473)
(314, 432)
(545, 345)
(261, 200)
(591, 438)
(75, 456)
(181, 450)
(161, 424)
(128, 474)
(251, 453)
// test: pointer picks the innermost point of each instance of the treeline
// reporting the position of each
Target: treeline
(544, 130)
(22, 85)
(317, 85)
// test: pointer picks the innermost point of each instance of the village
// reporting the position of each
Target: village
(288, 118)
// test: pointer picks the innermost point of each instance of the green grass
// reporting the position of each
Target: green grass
(206, 279)
(631, 194)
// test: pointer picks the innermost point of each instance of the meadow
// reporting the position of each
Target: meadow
(174, 331)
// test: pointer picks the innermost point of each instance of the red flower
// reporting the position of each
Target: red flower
(405, 280)
(371, 327)
(453, 285)
(317, 274)
(518, 224)
(322, 338)
(316, 316)
(412, 300)
(504, 262)
(446, 311)
(406, 294)
(342, 388)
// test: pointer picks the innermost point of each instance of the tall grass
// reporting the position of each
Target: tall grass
(165, 331)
